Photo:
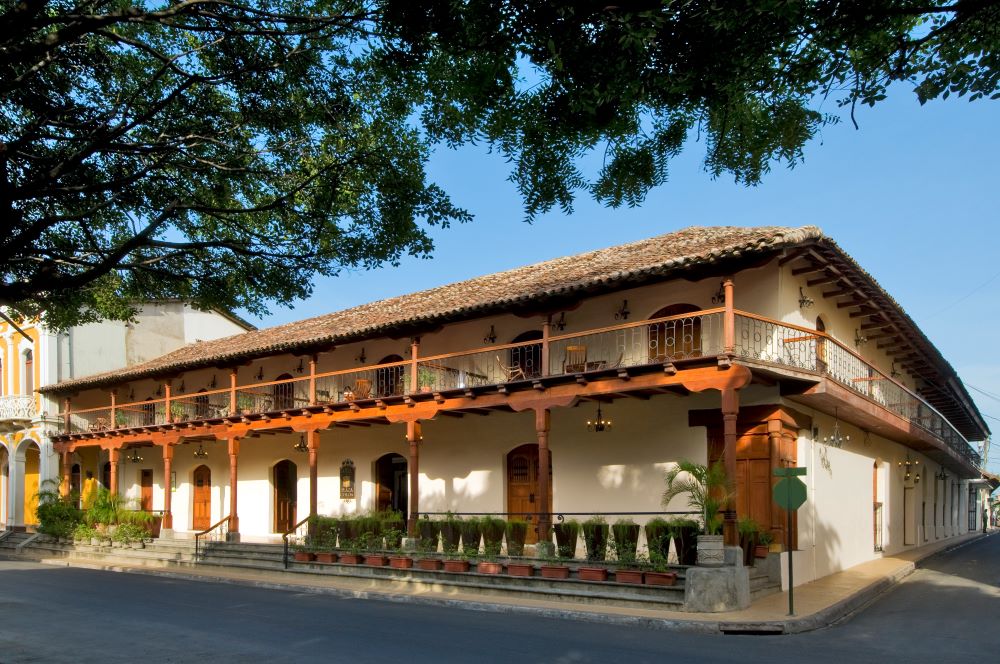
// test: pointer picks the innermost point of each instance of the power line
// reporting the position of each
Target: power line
(982, 391)
(964, 297)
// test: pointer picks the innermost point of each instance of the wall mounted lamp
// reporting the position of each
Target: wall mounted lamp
(362, 357)
(622, 313)
(804, 300)
(836, 438)
(859, 340)
(491, 337)
(561, 323)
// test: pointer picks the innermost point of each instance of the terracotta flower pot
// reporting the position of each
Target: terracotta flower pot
(400, 562)
(592, 574)
(660, 578)
(327, 557)
(761, 550)
(628, 576)
(489, 568)
(303, 556)
(520, 569)
(376, 560)
(350, 558)
(456, 565)
(429, 564)
(554, 572)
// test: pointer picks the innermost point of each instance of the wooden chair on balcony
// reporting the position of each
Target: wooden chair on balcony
(510, 373)
(362, 390)
(575, 360)
(100, 424)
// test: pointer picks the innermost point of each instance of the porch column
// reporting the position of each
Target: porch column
(414, 435)
(113, 458)
(168, 517)
(774, 428)
(234, 519)
(64, 486)
(542, 426)
(312, 442)
(729, 322)
(730, 412)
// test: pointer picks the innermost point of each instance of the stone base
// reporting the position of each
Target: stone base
(233, 538)
(166, 533)
(714, 589)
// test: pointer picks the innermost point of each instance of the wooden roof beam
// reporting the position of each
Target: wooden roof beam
(828, 279)
(812, 269)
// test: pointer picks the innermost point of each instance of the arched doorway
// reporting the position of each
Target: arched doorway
(522, 485)
(201, 507)
(32, 464)
(391, 489)
(75, 483)
(285, 495)
(389, 380)
(528, 358)
(283, 394)
(676, 339)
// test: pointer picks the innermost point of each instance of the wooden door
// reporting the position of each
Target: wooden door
(522, 486)
(146, 485)
(202, 510)
(285, 479)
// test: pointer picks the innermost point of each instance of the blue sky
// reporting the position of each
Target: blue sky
(912, 195)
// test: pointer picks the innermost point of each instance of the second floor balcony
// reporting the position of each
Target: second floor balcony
(663, 344)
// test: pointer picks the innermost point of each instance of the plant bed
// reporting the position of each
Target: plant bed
(628, 576)
(520, 569)
(376, 560)
(400, 562)
(429, 564)
(592, 574)
(660, 578)
(304, 556)
(327, 558)
(350, 558)
(554, 571)
(456, 565)
(486, 567)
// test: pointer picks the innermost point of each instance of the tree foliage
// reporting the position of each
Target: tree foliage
(227, 151)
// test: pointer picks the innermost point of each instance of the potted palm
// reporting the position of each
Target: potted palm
(708, 490)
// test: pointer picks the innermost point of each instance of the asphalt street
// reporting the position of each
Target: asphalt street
(945, 612)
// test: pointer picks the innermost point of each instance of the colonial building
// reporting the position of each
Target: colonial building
(33, 357)
(765, 347)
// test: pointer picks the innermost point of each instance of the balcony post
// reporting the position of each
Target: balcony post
(546, 331)
(232, 392)
(64, 487)
(414, 367)
(168, 516)
(312, 442)
(312, 379)
(414, 434)
(729, 321)
(730, 413)
(543, 424)
(774, 429)
(113, 424)
(113, 459)
(66, 415)
(234, 519)
(166, 403)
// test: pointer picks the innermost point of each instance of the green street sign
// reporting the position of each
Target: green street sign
(789, 472)
(789, 493)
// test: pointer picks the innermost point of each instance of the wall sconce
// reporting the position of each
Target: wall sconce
(836, 438)
(159, 390)
(941, 476)
(213, 384)
(907, 465)
(804, 300)
(622, 312)
(362, 357)
(491, 337)
(181, 388)
(200, 453)
(859, 340)
(301, 445)
(561, 323)
(260, 374)
(131, 394)
(135, 458)
(599, 424)
(720, 297)
(300, 368)
(893, 372)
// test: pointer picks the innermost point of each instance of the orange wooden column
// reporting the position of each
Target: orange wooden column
(730, 413)
(234, 519)
(113, 458)
(414, 435)
(64, 487)
(168, 459)
(312, 442)
(542, 426)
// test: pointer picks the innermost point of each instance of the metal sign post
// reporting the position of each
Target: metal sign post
(789, 493)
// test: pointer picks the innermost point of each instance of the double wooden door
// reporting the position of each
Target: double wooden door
(202, 512)
(285, 496)
(522, 487)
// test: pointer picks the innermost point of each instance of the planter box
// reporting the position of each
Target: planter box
(429, 564)
(761, 550)
(137, 545)
(376, 560)
(456, 565)
(592, 574)
(554, 572)
(660, 578)
(350, 558)
(520, 569)
(628, 576)
(711, 552)
(400, 562)
(304, 556)
(489, 568)
(327, 558)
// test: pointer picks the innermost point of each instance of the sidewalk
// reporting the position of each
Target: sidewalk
(818, 604)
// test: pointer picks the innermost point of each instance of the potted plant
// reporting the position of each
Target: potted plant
(658, 534)
(471, 534)
(493, 530)
(520, 568)
(708, 491)
(764, 540)
(451, 533)
(748, 530)
(517, 532)
(429, 564)
(489, 566)
(685, 536)
(567, 534)
(628, 575)
(592, 573)
(428, 531)
(393, 527)
(456, 564)
(626, 536)
(595, 538)
(552, 568)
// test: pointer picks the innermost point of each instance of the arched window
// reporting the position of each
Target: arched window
(283, 393)
(528, 358)
(389, 380)
(676, 339)
(29, 372)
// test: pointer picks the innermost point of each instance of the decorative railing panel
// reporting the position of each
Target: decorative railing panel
(17, 407)
(491, 366)
(770, 341)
